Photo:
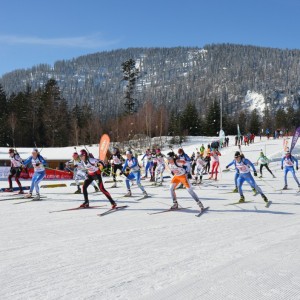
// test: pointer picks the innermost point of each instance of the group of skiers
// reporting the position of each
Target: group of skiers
(182, 167)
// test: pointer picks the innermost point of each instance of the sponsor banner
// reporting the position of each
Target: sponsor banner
(50, 174)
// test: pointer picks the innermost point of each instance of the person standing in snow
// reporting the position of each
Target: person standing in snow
(263, 161)
(215, 163)
(132, 171)
(38, 163)
(79, 172)
(93, 165)
(242, 164)
(200, 167)
(178, 170)
(160, 158)
(148, 157)
(116, 164)
(287, 162)
(15, 170)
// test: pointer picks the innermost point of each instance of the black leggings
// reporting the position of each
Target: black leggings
(267, 167)
(89, 180)
(114, 171)
(15, 172)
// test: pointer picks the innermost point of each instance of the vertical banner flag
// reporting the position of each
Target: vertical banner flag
(238, 131)
(295, 139)
(103, 146)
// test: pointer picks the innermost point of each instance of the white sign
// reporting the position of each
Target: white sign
(4, 172)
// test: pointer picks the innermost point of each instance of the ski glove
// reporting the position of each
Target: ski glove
(297, 168)
(281, 167)
(255, 173)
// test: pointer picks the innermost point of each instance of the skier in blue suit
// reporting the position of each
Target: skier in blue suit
(288, 162)
(38, 163)
(242, 165)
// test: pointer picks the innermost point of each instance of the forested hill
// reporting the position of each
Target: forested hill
(174, 77)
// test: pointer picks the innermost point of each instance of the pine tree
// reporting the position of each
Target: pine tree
(190, 122)
(53, 116)
(130, 74)
(174, 124)
(255, 123)
(212, 120)
(280, 119)
(268, 120)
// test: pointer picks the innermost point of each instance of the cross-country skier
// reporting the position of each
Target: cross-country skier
(79, 172)
(160, 168)
(242, 164)
(200, 167)
(131, 170)
(178, 170)
(153, 165)
(207, 159)
(15, 170)
(116, 164)
(183, 156)
(148, 157)
(38, 163)
(264, 162)
(287, 162)
(93, 173)
(215, 153)
(202, 149)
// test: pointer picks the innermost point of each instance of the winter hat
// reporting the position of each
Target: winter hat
(237, 154)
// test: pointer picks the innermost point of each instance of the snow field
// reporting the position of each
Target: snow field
(232, 252)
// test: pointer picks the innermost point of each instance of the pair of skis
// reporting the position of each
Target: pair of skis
(267, 204)
(177, 209)
(111, 210)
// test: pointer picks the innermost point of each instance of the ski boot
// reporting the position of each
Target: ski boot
(175, 205)
(21, 192)
(273, 176)
(200, 205)
(285, 187)
(96, 189)
(128, 194)
(37, 197)
(235, 190)
(260, 176)
(85, 204)
(78, 191)
(145, 194)
(113, 204)
(242, 199)
(264, 198)
(29, 195)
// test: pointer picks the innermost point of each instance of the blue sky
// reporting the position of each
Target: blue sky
(37, 31)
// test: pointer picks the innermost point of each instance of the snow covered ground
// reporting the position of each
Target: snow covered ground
(232, 252)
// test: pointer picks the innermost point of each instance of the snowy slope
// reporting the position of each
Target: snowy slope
(232, 252)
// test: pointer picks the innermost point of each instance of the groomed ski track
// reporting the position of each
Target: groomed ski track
(232, 252)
